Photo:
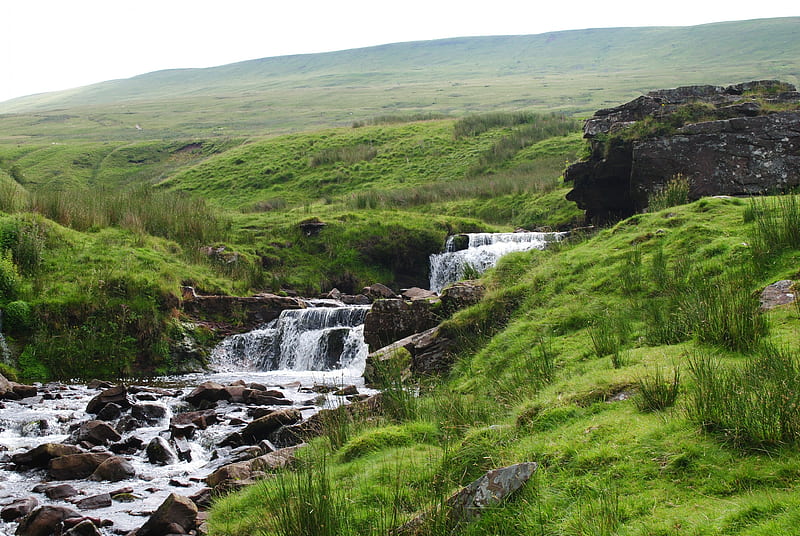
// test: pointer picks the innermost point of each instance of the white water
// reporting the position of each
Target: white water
(483, 252)
(311, 339)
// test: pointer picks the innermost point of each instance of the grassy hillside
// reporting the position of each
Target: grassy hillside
(572, 71)
(119, 227)
(634, 366)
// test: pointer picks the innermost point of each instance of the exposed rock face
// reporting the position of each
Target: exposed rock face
(248, 312)
(391, 320)
(733, 148)
(423, 353)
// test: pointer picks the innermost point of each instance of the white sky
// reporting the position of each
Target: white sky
(48, 45)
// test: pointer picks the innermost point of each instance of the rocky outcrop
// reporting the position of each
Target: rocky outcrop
(238, 314)
(722, 140)
(423, 353)
(391, 320)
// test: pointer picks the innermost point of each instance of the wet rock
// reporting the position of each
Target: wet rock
(40, 456)
(378, 291)
(95, 432)
(113, 469)
(346, 391)
(84, 528)
(59, 491)
(117, 395)
(201, 419)
(208, 392)
(160, 452)
(203, 498)
(18, 509)
(103, 500)
(183, 449)
(45, 521)
(76, 466)
(237, 393)
(238, 474)
(263, 398)
(99, 384)
(130, 445)
(110, 412)
(182, 431)
(176, 512)
(262, 427)
(150, 414)
(23, 391)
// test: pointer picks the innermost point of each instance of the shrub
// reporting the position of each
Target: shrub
(17, 316)
(9, 277)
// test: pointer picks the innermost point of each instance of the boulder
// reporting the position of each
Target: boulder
(84, 528)
(391, 320)
(264, 398)
(95, 432)
(117, 395)
(200, 419)
(777, 294)
(461, 295)
(378, 291)
(262, 427)
(207, 392)
(23, 391)
(40, 456)
(175, 512)
(160, 452)
(110, 412)
(423, 353)
(18, 509)
(113, 469)
(76, 466)
(103, 500)
(45, 521)
(150, 414)
(416, 293)
(59, 491)
(237, 474)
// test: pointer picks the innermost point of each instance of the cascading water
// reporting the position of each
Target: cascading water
(315, 338)
(481, 253)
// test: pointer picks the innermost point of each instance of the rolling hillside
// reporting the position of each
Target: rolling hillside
(571, 71)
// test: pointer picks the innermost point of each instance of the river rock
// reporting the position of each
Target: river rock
(242, 473)
(113, 469)
(110, 412)
(59, 491)
(45, 521)
(95, 432)
(40, 456)
(160, 452)
(208, 392)
(103, 500)
(348, 390)
(150, 414)
(24, 391)
(201, 419)
(117, 395)
(5, 386)
(175, 512)
(266, 398)
(130, 445)
(76, 466)
(18, 509)
(378, 291)
(416, 293)
(84, 528)
(262, 427)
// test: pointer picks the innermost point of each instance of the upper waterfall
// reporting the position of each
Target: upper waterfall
(482, 252)
(314, 338)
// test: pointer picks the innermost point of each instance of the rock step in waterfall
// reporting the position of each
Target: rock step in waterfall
(479, 252)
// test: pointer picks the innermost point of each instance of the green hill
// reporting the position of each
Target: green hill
(570, 71)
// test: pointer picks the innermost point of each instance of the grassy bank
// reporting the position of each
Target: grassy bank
(614, 369)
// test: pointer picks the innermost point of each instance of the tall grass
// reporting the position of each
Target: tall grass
(674, 193)
(756, 404)
(474, 125)
(656, 392)
(350, 154)
(775, 226)
(536, 177)
(141, 209)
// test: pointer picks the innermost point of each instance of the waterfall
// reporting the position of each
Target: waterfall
(315, 338)
(5, 353)
(482, 252)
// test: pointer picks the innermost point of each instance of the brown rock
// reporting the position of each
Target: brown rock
(18, 509)
(261, 428)
(94, 502)
(391, 320)
(176, 512)
(96, 432)
(118, 395)
(44, 521)
(208, 392)
(113, 469)
(76, 466)
(40, 456)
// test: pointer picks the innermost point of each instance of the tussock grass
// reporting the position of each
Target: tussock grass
(656, 392)
(752, 405)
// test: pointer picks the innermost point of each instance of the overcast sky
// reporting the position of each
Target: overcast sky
(48, 45)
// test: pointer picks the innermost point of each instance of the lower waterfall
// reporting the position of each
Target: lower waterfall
(481, 253)
(314, 338)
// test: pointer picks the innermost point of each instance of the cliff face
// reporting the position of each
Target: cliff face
(731, 140)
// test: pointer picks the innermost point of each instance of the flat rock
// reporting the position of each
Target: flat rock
(76, 466)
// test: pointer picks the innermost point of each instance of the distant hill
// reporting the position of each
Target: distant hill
(572, 71)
